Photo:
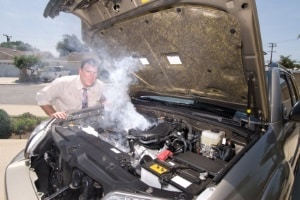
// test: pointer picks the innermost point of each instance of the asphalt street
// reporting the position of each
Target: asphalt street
(17, 99)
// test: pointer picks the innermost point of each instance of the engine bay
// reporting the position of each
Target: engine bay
(176, 158)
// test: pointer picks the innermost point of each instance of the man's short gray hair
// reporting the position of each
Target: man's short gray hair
(90, 61)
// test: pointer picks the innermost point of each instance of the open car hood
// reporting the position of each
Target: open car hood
(215, 44)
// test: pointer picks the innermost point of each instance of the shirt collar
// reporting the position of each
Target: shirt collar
(78, 83)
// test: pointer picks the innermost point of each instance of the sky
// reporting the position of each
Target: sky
(24, 21)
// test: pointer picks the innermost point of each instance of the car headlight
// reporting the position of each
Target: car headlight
(36, 136)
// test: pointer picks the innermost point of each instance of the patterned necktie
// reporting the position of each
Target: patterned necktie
(84, 99)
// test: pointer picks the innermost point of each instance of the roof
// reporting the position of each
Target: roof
(9, 54)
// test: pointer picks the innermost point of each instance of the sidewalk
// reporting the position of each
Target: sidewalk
(8, 80)
(8, 150)
(15, 110)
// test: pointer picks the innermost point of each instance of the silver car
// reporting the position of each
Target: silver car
(52, 73)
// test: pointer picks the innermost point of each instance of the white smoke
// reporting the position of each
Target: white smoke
(119, 111)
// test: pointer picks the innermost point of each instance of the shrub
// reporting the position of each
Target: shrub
(24, 123)
(4, 125)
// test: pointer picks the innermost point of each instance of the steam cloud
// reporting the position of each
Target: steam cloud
(118, 108)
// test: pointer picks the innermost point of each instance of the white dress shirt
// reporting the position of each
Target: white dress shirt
(65, 94)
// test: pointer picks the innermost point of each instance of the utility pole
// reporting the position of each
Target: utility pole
(272, 45)
(7, 37)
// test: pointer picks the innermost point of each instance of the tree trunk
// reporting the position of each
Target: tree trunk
(23, 75)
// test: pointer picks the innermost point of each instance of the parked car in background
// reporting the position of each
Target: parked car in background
(191, 111)
(53, 72)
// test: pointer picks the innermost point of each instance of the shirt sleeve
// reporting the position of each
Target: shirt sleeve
(46, 95)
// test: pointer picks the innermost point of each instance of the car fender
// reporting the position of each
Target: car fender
(254, 170)
(279, 185)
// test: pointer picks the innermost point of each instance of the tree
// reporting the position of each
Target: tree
(18, 45)
(24, 63)
(69, 44)
(4, 125)
(287, 62)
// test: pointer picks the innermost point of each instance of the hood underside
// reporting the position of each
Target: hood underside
(210, 60)
(215, 43)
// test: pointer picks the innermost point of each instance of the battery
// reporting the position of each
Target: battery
(172, 176)
(151, 173)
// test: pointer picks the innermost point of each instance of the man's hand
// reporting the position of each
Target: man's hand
(51, 112)
(59, 115)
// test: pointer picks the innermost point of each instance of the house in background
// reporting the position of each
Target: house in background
(7, 68)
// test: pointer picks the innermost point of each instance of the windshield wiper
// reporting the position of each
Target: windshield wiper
(169, 100)
(195, 104)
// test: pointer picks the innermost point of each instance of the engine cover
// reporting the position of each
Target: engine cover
(98, 159)
(154, 137)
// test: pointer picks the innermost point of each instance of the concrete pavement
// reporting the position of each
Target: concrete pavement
(15, 110)
(8, 80)
(8, 150)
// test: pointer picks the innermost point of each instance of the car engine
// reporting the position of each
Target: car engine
(176, 158)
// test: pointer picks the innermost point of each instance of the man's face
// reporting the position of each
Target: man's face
(88, 74)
